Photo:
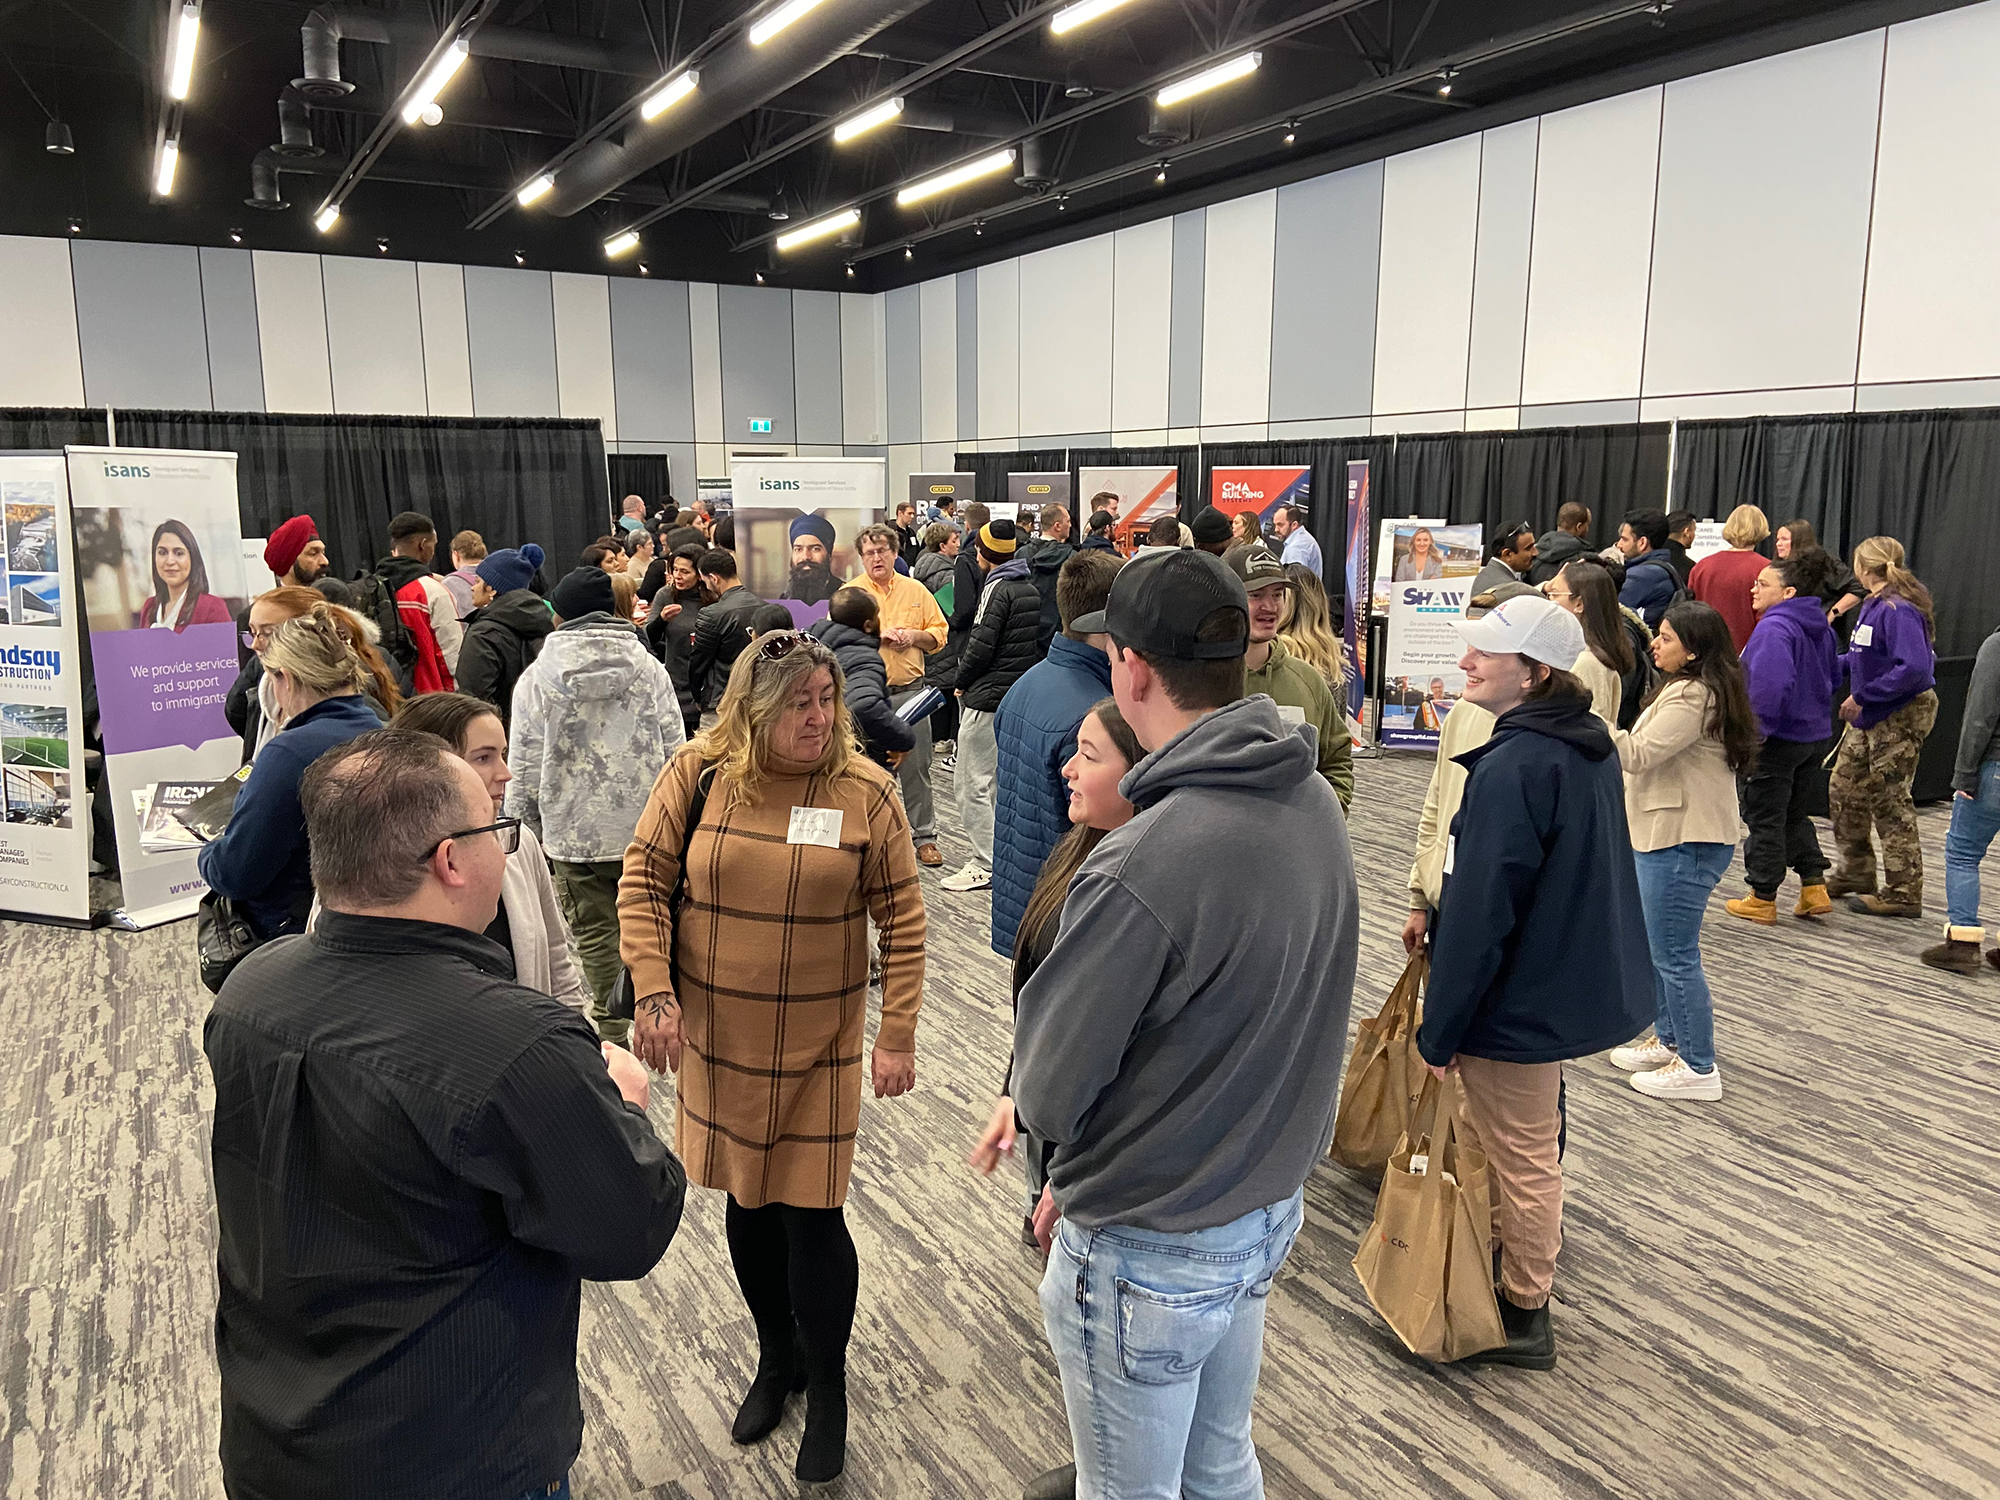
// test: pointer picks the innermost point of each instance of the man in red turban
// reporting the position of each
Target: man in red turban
(295, 554)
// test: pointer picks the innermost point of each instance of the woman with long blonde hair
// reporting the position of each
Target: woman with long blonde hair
(765, 848)
(1307, 628)
(253, 709)
(1891, 670)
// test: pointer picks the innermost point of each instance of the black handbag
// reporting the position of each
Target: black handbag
(223, 938)
(623, 1004)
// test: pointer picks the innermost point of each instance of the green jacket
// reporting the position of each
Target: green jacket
(1288, 682)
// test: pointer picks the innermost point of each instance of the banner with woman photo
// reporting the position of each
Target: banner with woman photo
(159, 552)
(1431, 568)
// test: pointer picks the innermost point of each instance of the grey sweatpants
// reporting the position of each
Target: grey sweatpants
(978, 762)
(914, 775)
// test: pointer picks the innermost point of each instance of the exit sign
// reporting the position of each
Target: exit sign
(760, 424)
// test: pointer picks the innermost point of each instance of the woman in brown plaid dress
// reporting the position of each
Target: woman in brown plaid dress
(757, 978)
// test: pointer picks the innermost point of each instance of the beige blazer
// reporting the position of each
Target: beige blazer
(1678, 787)
(1605, 686)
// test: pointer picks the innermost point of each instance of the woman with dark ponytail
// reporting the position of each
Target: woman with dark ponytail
(1694, 736)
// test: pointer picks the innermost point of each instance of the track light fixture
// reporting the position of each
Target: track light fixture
(779, 19)
(235, 236)
(76, 226)
(1160, 176)
(978, 227)
(1081, 14)
(381, 246)
(535, 191)
(416, 106)
(622, 243)
(644, 269)
(867, 120)
(944, 182)
(909, 252)
(520, 257)
(850, 268)
(1062, 202)
(1241, 66)
(1444, 82)
(760, 277)
(819, 229)
(1291, 131)
(180, 64)
(668, 95)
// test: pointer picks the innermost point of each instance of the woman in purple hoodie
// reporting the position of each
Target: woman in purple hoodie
(1891, 668)
(1791, 661)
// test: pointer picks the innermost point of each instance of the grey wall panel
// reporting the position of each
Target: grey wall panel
(1184, 347)
(968, 355)
(652, 361)
(139, 320)
(229, 308)
(757, 375)
(510, 321)
(905, 354)
(1323, 297)
(816, 361)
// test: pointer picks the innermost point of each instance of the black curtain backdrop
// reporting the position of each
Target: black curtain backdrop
(646, 475)
(510, 480)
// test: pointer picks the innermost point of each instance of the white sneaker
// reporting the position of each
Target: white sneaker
(1678, 1081)
(1642, 1056)
(974, 877)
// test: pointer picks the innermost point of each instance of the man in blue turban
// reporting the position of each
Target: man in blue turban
(812, 579)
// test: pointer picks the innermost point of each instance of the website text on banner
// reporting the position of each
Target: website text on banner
(1354, 599)
(44, 823)
(1143, 493)
(796, 520)
(159, 549)
(1260, 491)
(1432, 570)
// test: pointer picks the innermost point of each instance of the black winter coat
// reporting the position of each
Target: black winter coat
(501, 639)
(1005, 639)
(867, 693)
(673, 642)
(721, 632)
(1043, 566)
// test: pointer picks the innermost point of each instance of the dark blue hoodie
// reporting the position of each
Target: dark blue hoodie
(1650, 585)
(1539, 951)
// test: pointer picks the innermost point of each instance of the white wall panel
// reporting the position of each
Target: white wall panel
(1593, 241)
(1797, 401)
(1423, 307)
(1000, 349)
(864, 398)
(583, 349)
(43, 364)
(447, 349)
(1933, 308)
(374, 335)
(705, 332)
(1761, 235)
(1240, 256)
(1500, 264)
(1142, 288)
(937, 314)
(291, 332)
(1065, 338)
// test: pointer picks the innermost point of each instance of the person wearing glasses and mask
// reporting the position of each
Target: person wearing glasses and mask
(745, 930)
(263, 860)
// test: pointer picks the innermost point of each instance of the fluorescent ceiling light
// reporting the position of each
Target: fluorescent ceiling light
(778, 20)
(535, 191)
(182, 69)
(671, 94)
(1215, 77)
(435, 80)
(327, 218)
(818, 230)
(944, 182)
(170, 157)
(868, 119)
(1081, 15)
(622, 243)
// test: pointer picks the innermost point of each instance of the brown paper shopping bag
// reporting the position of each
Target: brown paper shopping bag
(1384, 1076)
(1426, 1261)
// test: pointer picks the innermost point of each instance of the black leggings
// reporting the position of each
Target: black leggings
(798, 1270)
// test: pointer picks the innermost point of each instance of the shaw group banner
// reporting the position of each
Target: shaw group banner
(45, 835)
(1143, 494)
(159, 552)
(1260, 491)
(1431, 569)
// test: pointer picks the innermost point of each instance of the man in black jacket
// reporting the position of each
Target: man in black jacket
(1569, 541)
(417, 1163)
(1045, 559)
(1004, 641)
(722, 629)
(504, 632)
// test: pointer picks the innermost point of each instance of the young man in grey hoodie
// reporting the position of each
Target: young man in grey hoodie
(1180, 1048)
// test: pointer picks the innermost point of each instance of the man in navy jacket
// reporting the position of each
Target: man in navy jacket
(1035, 730)
(1650, 580)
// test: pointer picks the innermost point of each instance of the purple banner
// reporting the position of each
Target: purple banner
(164, 687)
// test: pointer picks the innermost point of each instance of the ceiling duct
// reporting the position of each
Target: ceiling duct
(327, 26)
(267, 193)
(295, 129)
(264, 190)
(1037, 169)
(1164, 127)
(735, 79)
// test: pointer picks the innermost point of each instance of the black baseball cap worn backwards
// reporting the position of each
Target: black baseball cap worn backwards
(1158, 601)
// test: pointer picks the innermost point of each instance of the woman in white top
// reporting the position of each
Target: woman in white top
(1583, 586)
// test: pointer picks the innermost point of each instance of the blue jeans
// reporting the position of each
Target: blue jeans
(1160, 1338)
(1674, 884)
(1974, 822)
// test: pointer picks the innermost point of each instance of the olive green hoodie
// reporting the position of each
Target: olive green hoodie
(1291, 684)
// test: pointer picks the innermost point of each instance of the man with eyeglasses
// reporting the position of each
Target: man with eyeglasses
(417, 1162)
(1513, 556)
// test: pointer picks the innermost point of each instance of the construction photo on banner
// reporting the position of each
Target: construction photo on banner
(1144, 493)
(796, 521)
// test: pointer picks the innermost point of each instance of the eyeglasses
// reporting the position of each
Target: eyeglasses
(507, 831)
(258, 635)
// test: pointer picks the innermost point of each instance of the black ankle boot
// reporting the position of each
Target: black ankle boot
(1531, 1341)
(823, 1449)
(1056, 1484)
(764, 1405)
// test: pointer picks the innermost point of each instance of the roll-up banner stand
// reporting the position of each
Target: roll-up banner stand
(1431, 568)
(1260, 491)
(159, 549)
(927, 489)
(1144, 493)
(1354, 603)
(45, 835)
(1028, 493)
(796, 520)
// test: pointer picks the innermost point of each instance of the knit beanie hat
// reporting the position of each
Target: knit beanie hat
(996, 538)
(583, 591)
(510, 568)
(1210, 526)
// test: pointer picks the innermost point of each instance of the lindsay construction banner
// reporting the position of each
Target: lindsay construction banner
(45, 838)
(1260, 491)
(160, 553)
(1139, 495)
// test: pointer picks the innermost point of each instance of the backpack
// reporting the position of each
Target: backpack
(374, 600)
(1634, 686)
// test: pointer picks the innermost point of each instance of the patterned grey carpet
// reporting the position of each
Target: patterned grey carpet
(1795, 1292)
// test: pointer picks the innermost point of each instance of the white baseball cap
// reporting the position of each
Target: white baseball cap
(1529, 626)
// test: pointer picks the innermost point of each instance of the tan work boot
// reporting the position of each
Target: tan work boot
(1881, 906)
(1958, 953)
(1814, 901)
(1753, 908)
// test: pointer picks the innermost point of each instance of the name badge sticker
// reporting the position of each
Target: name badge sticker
(1291, 713)
(1864, 635)
(815, 825)
(1450, 851)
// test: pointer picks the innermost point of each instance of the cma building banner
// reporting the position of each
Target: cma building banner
(1260, 490)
